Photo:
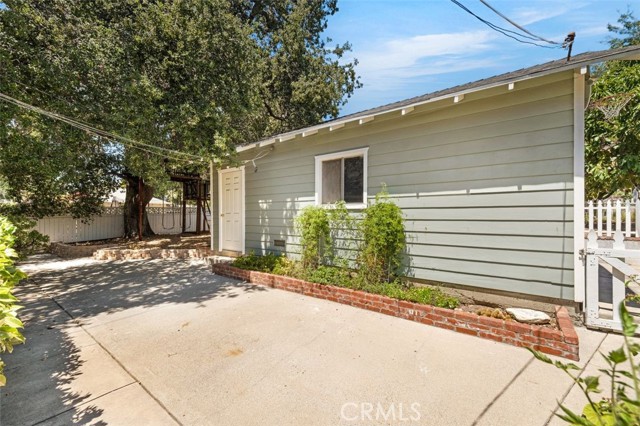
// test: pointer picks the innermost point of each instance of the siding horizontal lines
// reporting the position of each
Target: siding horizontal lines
(538, 259)
(541, 167)
(454, 119)
(478, 185)
(454, 161)
(290, 185)
(270, 172)
(541, 228)
(484, 145)
(463, 198)
(418, 258)
(486, 240)
(509, 287)
(495, 269)
(448, 130)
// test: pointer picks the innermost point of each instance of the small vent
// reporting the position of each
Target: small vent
(279, 243)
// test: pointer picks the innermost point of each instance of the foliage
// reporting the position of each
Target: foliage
(331, 275)
(344, 233)
(343, 277)
(9, 276)
(383, 240)
(251, 261)
(197, 76)
(26, 240)
(619, 408)
(612, 148)
(315, 236)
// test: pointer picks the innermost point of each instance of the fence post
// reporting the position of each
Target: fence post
(627, 218)
(609, 218)
(618, 215)
(599, 218)
(637, 217)
(590, 210)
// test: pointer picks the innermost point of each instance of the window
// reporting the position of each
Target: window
(342, 177)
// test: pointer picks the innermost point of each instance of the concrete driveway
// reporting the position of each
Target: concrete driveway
(166, 342)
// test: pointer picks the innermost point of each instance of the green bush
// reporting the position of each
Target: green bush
(383, 240)
(330, 275)
(26, 239)
(315, 236)
(619, 408)
(344, 277)
(253, 262)
(9, 276)
(423, 295)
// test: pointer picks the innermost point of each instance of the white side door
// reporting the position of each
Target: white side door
(231, 202)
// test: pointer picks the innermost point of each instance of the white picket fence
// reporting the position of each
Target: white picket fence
(606, 217)
(111, 225)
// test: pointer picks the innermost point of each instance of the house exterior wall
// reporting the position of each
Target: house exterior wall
(486, 186)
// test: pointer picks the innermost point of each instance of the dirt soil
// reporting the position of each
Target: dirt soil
(476, 309)
(182, 241)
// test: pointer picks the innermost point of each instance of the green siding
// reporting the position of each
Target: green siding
(485, 185)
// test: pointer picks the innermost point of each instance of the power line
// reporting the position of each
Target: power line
(176, 155)
(504, 31)
(516, 25)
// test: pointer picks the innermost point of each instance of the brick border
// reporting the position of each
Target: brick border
(563, 342)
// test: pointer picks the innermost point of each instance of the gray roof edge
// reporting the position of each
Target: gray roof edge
(535, 71)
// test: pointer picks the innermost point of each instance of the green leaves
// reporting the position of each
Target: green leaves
(629, 327)
(618, 408)
(10, 325)
(196, 76)
(383, 240)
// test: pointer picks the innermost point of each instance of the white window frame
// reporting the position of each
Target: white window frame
(359, 152)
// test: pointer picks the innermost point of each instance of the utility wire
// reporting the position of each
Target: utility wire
(176, 155)
(509, 33)
(521, 28)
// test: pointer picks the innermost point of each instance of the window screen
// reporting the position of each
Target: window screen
(343, 179)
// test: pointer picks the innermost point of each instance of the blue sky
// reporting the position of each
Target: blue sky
(407, 48)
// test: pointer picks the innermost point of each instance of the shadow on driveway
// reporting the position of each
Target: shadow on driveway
(47, 383)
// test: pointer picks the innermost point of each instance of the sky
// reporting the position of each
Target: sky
(407, 48)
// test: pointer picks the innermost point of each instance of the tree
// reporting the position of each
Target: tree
(612, 149)
(189, 76)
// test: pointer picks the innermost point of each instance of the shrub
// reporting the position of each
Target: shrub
(26, 239)
(619, 408)
(315, 236)
(253, 262)
(423, 295)
(383, 240)
(330, 275)
(9, 277)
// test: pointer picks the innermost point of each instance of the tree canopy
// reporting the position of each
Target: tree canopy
(194, 76)
(612, 149)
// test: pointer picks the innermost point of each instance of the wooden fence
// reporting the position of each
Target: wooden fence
(111, 224)
(607, 216)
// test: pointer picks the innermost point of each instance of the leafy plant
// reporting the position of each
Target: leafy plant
(383, 240)
(315, 236)
(417, 294)
(10, 325)
(26, 239)
(253, 262)
(330, 275)
(619, 408)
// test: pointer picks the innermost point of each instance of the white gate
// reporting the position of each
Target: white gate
(609, 282)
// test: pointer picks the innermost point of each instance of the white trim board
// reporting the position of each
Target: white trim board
(578, 185)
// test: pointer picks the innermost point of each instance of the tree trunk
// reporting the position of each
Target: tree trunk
(137, 191)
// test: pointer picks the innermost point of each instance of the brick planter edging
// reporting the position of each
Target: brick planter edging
(563, 342)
